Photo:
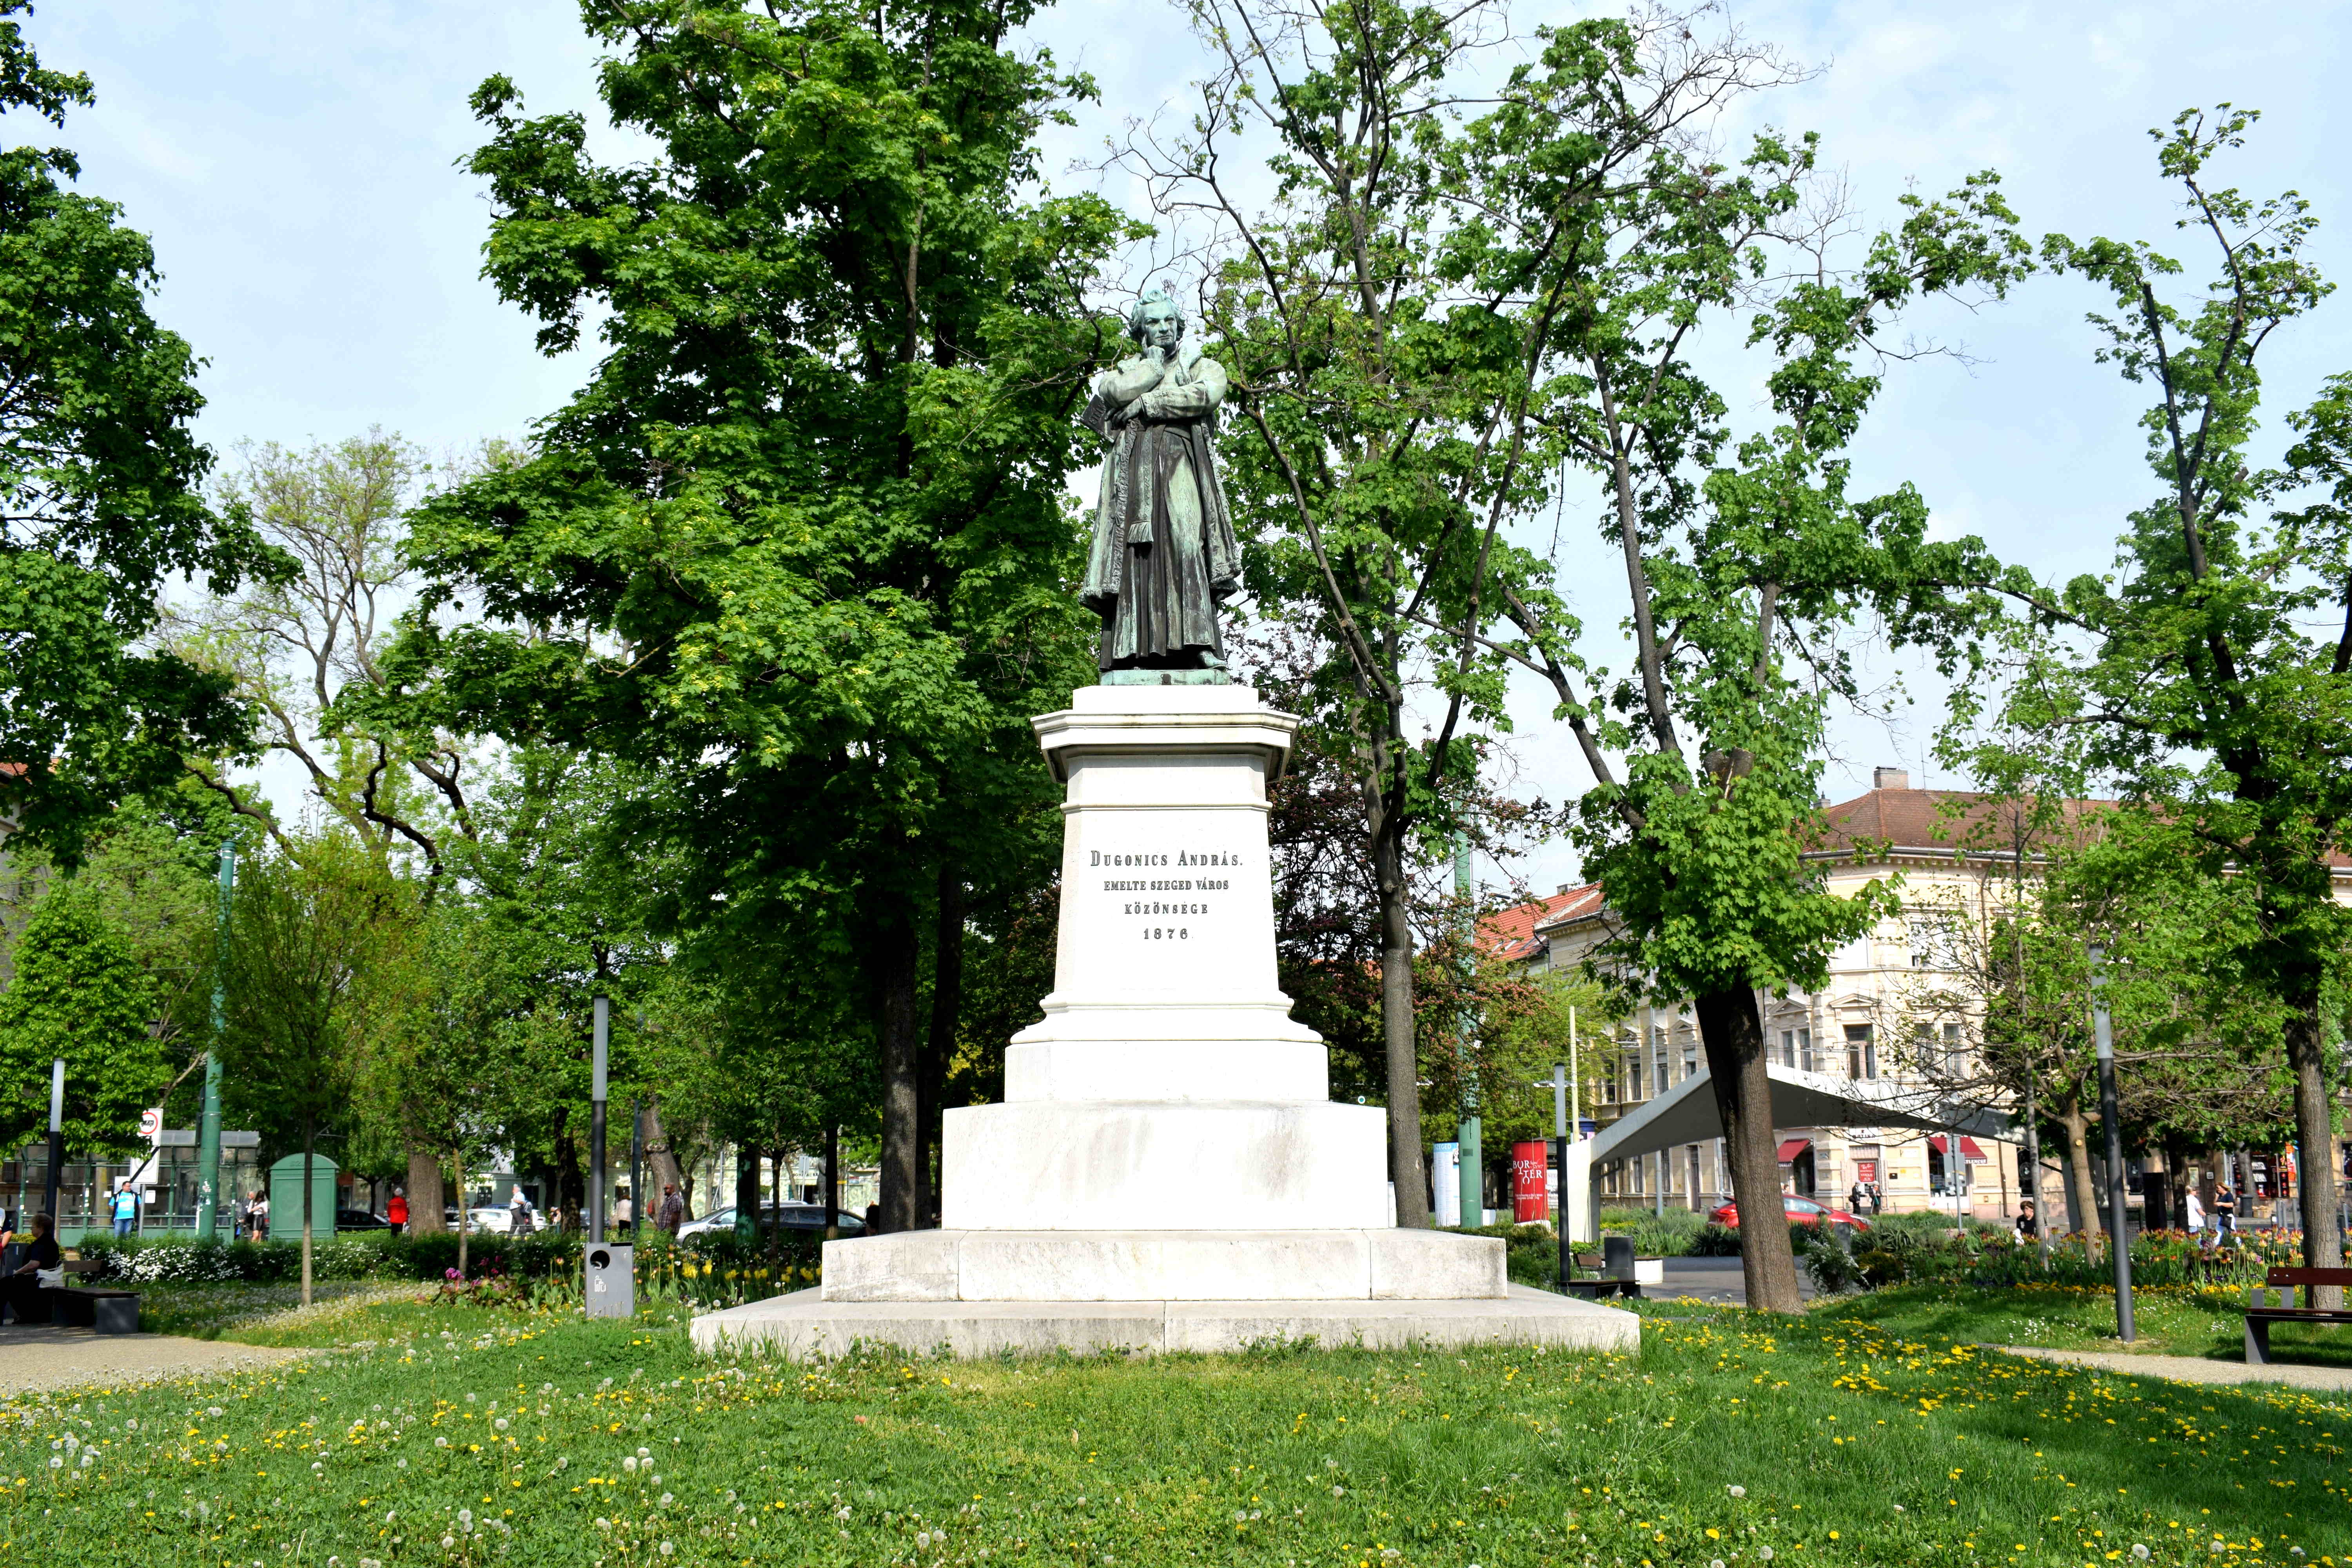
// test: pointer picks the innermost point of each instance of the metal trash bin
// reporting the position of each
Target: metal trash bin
(612, 1282)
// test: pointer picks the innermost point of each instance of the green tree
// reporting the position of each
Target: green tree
(306, 979)
(1744, 562)
(80, 993)
(801, 544)
(101, 493)
(442, 1070)
(2203, 670)
(305, 650)
(1382, 405)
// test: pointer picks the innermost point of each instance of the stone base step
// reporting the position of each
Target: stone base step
(805, 1326)
(1387, 1263)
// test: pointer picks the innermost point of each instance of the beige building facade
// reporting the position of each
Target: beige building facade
(1902, 1003)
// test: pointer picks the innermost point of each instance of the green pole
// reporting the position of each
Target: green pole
(209, 1125)
(1472, 1168)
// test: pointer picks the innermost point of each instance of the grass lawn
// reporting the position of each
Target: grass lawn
(439, 1434)
(2207, 1322)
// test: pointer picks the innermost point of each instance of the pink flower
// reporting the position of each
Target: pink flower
(452, 1273)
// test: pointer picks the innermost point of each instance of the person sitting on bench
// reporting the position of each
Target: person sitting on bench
(23, 1285)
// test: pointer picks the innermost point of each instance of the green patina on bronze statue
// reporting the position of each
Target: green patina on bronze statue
(1163, 556)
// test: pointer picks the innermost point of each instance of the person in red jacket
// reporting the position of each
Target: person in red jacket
(396, 1211)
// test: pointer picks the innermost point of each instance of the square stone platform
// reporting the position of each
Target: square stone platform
(1063, 1265)
(804, 1326)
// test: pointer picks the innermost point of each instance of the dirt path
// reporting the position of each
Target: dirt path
(37, 1358)
(2195, 1369)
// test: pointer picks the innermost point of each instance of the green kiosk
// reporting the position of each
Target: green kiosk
(286, 1199)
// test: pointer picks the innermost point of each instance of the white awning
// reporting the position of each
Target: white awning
(1687, 1113)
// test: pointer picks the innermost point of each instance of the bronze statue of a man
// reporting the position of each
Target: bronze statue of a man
(1163, 556)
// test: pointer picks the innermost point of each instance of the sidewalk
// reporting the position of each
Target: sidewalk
(38, 1358)
(1715, 1279)
(2193, 1369)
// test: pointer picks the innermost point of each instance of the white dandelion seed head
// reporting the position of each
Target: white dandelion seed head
(1738, 1491)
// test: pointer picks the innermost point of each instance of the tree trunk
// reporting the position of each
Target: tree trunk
(947, 1008)
(310, 1143)
(661, 1163)
(426, 1197)
(1736, 1070)
(1397, 1034)
(833, 1181)
(2314, 1178)
(457, 1171)
(902, 1152)
(2081, 1195)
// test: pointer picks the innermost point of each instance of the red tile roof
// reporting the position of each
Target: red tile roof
(1514, 933)
(1934, 819)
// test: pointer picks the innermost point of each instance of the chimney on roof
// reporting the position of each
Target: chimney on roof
(1565, 889)
(1890, 778)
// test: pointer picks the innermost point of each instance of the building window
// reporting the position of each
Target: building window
(1956, 1052)
(1787, 1048)
(1659, 1074)
(1805, 1050)
(1934, 942)
(1633, 1079)
(1690, 1061)
(1860, 1051)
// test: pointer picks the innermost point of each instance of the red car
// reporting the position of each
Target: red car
(1801, 1211)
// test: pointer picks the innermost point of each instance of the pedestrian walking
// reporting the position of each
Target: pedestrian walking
(1854, 1199)
(126, 1210)
(673, 1208)
(2196, 1220)
(2028, 1224)
(518, 1214)
(396, 1211)
(2225, 1215)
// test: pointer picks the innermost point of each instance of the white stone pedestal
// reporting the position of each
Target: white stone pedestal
(1168, 1141)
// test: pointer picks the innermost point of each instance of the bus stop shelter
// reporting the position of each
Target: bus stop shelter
(1686, 1114)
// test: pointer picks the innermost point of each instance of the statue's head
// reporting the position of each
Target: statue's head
(1155, 320)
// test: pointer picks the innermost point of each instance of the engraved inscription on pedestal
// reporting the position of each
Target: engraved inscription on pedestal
(1177, 889)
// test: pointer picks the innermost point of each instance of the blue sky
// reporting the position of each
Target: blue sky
(295, 163)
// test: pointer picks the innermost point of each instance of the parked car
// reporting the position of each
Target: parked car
(495, 1221)
(792, 1217)
(360, 1219)
(1801, 1211)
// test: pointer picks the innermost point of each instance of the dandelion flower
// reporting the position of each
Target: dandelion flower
(1738, 1491)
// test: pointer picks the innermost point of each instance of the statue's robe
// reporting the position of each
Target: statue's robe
(1163, 554)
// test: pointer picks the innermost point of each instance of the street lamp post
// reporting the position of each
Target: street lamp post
(596, 1120)
(57, 1137)
(1559, 1082)
(208, 1120)
(2118, 1237)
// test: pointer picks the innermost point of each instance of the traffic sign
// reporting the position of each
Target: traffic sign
(150, 1125)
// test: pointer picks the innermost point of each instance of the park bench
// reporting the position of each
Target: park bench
(1619, 1274)
(106, 1310)
(2261, 1315)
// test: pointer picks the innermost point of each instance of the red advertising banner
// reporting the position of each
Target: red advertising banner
(1530, 1200)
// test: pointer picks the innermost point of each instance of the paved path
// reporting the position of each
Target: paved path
(36, 1358)
(2194, 1369)
(1716, 1280)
